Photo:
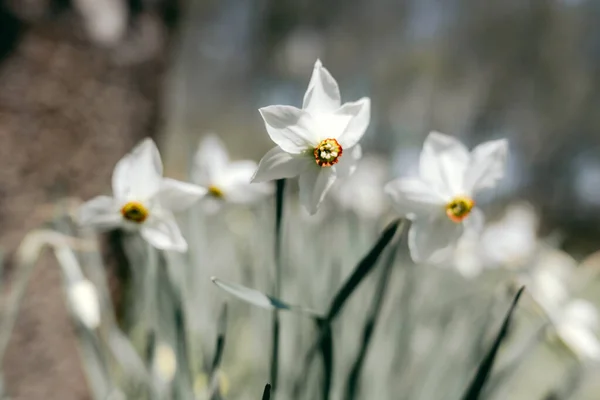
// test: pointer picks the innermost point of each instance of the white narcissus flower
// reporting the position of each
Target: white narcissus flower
(85, 303)
(362, 192)
(318, 143)
(226, 181)
(577, 327)
(143, 200)
(440, 201)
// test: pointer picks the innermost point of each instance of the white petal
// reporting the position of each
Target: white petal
(475, 222)
(176, 195)
(290, 128)
(360, 113)
(581, 340)
(323, 93)
(84, 302)
(278, 164)
(411, 196)
(348, 162)
(443, 163)
(487, 165)
(237, 186)
(100, 212)
(433, 239)
(138, 174)
(162, 232)
(236, 173)
(314, 184)
(210, 159)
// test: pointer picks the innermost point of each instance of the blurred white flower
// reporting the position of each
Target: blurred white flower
(164, 363)
(577, 327)
(440, 201)
(85, 304)
(318, 143)
(363, 191)
(511, 241)
(226, 181)
(143, 200)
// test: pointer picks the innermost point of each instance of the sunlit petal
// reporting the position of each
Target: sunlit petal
(176, 195)
(100, 212)
(360, 116)
(138, 174)
(314, 184)
(443, 163)
(290, 128)
(433, 239)
(323, 93)
(487, 165)
(413, 197)
(162, 232)
(278, 164)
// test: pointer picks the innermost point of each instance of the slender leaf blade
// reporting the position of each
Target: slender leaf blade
(483, 372)
(259, 299)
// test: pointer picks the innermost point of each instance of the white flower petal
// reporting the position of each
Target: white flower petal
(237, 173)
(433, 239)
(278, 164)
(411, 196)
(290, 128)
(475, 222)
(210, 159)
(84, 303)
(237, 187)
(581, 312)
(443, 163)
(138, 174)
(487, 165)
(162, 232)
(360, 113)
(323, 93)
(348, 162)
(581, 340)
(100, 212)
(176, 195)
(314, 184)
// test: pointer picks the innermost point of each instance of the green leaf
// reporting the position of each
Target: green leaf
(267, 392)
(260, 299)
(483, 372)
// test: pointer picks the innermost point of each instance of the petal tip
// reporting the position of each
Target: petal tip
(318, 63)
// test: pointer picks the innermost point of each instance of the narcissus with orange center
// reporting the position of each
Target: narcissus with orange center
(328, 153)
(459, 208)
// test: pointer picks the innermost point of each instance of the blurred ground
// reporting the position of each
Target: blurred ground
(68, 111)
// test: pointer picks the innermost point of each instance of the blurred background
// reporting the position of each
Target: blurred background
(82, 81)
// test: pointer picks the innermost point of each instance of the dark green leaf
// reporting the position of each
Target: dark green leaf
(220, 345)
(267, 392)
(483, 372)
(362, 270)
(382, 285)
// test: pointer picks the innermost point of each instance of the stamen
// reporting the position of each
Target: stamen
(459, 208)
(328, 153)
(215, 192)
(134, 211)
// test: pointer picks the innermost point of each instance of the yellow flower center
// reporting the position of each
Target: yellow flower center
(328, 152)
(216, 192)
(459, 208)
(134, 211)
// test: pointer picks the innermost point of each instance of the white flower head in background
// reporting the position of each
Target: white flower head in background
(227, 181)
(85, 304)
(318, 143)
(164, 363)
(512, 240)
(577, 326)
(143, 200)
(363, 191)
(440, 202)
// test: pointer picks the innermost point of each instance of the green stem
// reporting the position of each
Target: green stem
(277, 290)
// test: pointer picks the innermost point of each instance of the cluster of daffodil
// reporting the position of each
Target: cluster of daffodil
(320, 143)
